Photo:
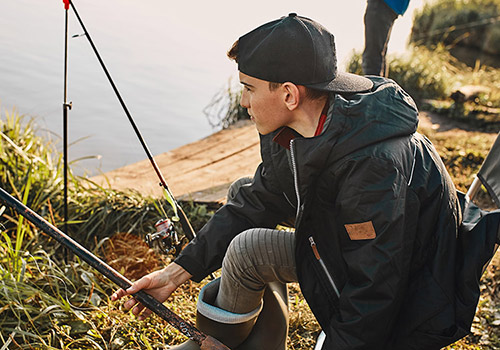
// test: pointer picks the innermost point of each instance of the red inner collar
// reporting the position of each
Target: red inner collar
(322, 119)
(286, 134)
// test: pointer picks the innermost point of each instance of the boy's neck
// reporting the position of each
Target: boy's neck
(307, 117)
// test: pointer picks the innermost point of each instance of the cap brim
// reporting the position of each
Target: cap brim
(344, 82)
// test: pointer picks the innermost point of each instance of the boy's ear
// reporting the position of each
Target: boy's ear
(291, 95)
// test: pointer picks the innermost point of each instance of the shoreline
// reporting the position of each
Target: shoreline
(199, 171)
(202, 171)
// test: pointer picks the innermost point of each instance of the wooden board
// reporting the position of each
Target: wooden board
(203, 170)
(200, 171)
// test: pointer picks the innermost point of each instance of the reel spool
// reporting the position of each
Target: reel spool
(165, 238)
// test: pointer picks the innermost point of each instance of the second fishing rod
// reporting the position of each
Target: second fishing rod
(185, 224)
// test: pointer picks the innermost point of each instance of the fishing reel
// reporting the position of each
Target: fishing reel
(165, 238)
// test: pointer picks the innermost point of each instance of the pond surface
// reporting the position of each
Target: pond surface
(166, 58)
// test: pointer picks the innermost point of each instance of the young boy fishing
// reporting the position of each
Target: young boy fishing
(375, 213)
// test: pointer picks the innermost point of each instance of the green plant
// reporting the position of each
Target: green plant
(17, 266)
(224, 110)
(421, 72)
(471, 23)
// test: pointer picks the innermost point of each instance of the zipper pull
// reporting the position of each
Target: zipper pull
(323, 266)
(314, 249)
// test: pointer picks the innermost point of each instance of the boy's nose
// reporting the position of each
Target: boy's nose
(244, 100)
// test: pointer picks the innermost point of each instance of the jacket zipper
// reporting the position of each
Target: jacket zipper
(296, 183)
(298, 217)
(322, 264)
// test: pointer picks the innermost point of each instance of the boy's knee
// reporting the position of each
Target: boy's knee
(236, 185)
(239, 254)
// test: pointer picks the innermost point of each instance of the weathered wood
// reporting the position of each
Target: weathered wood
(201, 171)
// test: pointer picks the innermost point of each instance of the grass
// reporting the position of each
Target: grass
(46, 302)
(433, 76)
(433, 73)
(224, 110)
(467, 22)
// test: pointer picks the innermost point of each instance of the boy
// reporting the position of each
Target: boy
(375, 213)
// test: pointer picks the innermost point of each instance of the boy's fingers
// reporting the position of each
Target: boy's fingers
(135, 287)
(145, 314)
(137, 309)
(130, 303)
(118, 294)
(132, 289)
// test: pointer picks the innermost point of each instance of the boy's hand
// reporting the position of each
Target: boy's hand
(159, 284)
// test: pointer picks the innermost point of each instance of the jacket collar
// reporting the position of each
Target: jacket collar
(355, 121)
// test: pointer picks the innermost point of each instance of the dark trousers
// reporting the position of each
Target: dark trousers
(379, 18)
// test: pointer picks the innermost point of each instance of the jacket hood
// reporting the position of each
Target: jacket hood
(384, 112)
(356, 121)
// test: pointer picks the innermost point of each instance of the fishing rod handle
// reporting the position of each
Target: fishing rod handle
(205, 342)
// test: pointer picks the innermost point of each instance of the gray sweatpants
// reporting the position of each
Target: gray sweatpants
(254, 258)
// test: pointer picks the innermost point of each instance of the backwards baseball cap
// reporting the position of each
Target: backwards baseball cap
(298, 50)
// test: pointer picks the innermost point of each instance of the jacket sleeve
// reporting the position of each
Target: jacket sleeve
(377, 228)
(257, 204)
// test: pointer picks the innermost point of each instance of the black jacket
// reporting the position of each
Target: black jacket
(374, 198)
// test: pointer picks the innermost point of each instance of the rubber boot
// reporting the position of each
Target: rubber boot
(229, 328)
(271, 329)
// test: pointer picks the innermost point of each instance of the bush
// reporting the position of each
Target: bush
(431, 77)
(420, 72)
(472, 23)
(46, 301)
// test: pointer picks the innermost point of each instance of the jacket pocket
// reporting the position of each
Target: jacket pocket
(323, 266)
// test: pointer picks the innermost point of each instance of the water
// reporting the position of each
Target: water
(167, 60)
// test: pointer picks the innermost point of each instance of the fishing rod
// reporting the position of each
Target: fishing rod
(66, 107)
(186, 225)
(205, 342)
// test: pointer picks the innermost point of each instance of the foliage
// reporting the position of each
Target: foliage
(433, 77)
(473, 23)
(422, 73)
(46, 302)
(224, 110)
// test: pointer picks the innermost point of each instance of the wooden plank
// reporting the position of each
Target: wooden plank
(200, 171)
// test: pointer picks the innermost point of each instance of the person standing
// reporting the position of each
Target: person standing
(379, 19)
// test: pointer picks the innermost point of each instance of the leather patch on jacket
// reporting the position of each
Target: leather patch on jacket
(363, 230)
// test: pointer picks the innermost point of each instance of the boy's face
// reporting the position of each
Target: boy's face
(266, 108)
